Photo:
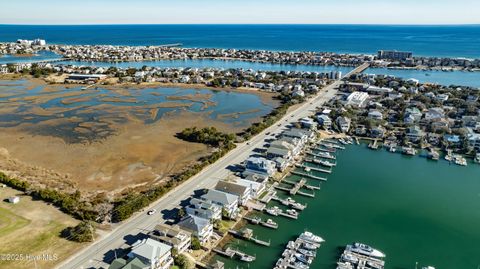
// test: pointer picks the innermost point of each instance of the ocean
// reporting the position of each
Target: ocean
(442, 41)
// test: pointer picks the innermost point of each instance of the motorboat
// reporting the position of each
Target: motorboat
(303, 258)
(310, 246)
(366, 250)
(308, 253)
(310, 237)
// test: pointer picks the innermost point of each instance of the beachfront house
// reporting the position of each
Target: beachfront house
(173, 236)
(256, 188)
(155, 254)
(204, 209)
(198, 227)
(227, 201)
(243, 192)
(258, 165)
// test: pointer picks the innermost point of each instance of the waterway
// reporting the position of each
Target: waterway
(413, 209)
(218, 64)
(39, 56)
(461, 78)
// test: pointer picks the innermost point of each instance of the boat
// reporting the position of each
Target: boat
(433, 155)
(273, 210)
(449, 157)
(310, 246)
(325, 155)
(342, 141)
(409, 151)
(303, 258)
(477, 158)
(270, 223)
(300, 265)
(428, 267)
(310, 237)
(344, 265)
(459, 160)
(348, 257)
(366, 250)
(292, 212)
(256, 220)
(392, 149)
(307, 169)
(291, 245)
(324, 163)
(245, 257)
(307, 252)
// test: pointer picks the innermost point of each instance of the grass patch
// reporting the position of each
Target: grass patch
(10, 222)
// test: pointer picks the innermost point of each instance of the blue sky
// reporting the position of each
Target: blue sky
(240, 11)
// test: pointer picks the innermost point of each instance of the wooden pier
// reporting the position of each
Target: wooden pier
(308, 175)
(314, 168)
(311, 153)
(259, 221)
(247, 234)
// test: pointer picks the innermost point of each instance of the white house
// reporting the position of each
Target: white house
(153, 253)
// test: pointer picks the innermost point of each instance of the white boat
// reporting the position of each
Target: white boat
(308, 253)
(344, 265)
(307, 169)
(459, 160)
(291, 245)
(477, 158)
(271, 223)
(303, 258)
(366, 250)
(310, 237)
(346, 257)
(310, 246)
(292, 212)
(301, 265)
(273, 211)
(246, 258)
(428, 267)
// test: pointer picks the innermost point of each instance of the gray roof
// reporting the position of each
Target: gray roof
(220, 197)
(134, 263)
(194, 223)
(231, 187)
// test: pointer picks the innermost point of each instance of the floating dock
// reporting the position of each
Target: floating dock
(247, 234)
(308, 175)
(314, 168)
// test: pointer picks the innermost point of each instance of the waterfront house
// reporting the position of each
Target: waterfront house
(243, 192)
(377, 132)
(276, 152)
(153, 253)
(453, 140)
(173, 236)
(256, 188)
(229, 202)
(122, 263)
(307, 123)
(84, 78)
(204, 209)
(199, 227)
(324, 121)
(413, 113)
(258, 165)
(414, 134)
(343, 124)
(262, 179)
(473, 139)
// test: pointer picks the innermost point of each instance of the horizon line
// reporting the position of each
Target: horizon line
(244, 24)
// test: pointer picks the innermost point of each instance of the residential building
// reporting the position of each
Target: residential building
(343, 124)
(375, 115)
(134, 263)
(414, 134)
(258, 165)
(204, 209)
(357, 99)
(227, 201)
(324, 121)
(155, 254)
(172, 236)
(198, 227)
(243, 192)
(394, 55)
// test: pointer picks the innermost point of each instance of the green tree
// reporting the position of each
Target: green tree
(83, 232)
(195, 245)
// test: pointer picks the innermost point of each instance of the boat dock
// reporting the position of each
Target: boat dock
(311, 153)
(230, 253)
(314, 168)
(291, 203)
(308, 175)
(331, 145)
(296, 188)
(356, 260)
(247, 234)
(259, 221)
(289, 258)
(310, 187)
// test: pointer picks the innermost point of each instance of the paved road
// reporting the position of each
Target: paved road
(94, 255)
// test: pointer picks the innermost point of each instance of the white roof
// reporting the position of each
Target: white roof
(150, 249)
